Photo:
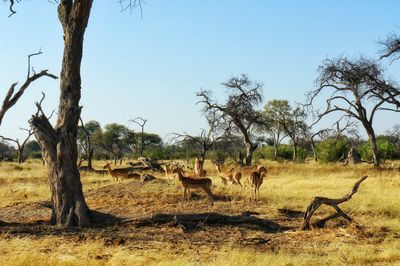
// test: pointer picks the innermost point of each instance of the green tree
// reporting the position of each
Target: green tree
(332, 149)
(32, 150)
(281, 118)
(387, 149)
(116, 140)
(88, 140)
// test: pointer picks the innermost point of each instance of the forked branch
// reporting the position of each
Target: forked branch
(318, 201)
(12, 98)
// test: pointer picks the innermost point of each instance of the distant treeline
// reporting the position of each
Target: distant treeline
(117, 142)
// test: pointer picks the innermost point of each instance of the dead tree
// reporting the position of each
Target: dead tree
(20, 145)
(12, 97)
(59, 143)
(318, 201)
(351, 86)
(391, 47)
(205, 140)
(140, 122)
(239, 113)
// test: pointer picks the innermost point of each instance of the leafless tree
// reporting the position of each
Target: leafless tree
(391, 47)
(336, 131)
(356, 89)
(239, 113)
(12, 97)
(20, 145)
(59, 143)
(140, 122)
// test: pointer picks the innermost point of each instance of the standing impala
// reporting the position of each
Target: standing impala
(256, 179)
(123, 173)
(188, 183)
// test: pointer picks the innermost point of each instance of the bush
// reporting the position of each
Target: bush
(331, 151)
(35, 155)
(284, 152)
(387, 150)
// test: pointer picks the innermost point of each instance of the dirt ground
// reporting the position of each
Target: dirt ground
(128, 202)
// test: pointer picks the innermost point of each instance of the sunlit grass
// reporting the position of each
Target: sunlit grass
(287, 186)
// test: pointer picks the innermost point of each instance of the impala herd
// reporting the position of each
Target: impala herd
(197, 179)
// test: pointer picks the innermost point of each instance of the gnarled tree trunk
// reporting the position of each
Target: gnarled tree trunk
(59, 146)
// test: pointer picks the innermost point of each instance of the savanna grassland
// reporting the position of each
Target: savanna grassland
(373, 238)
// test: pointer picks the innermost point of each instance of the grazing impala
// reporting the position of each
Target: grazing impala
(232, 176)
(256, 179)
(188, 183)
(123, 173)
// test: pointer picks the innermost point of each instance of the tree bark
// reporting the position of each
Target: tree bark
(250, 148)
(294, 151)
(375, 152)
(59, 144)
(276, 147)
(90, 158)
(20, 156)
(374, 146)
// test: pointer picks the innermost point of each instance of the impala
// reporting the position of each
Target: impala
(232, 176)
(123, 173)
(256, 179)
(188, 183)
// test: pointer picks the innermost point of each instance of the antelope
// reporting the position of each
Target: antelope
(256, 179)
(116, 173)
(188, 183)
(231, 176)
(198, 168)
(168, 168)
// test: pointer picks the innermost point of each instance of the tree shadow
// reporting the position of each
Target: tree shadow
(291, 213)
(193, 221)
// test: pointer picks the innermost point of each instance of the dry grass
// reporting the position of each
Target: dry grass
(375, 208)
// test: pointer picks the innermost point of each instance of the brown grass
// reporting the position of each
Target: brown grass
(373, 239)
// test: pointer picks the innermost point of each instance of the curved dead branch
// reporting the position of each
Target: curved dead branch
(318, 201)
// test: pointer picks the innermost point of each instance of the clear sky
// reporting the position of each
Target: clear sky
(153, 66)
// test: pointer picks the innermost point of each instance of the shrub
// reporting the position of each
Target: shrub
(330, 151)
(387, 150)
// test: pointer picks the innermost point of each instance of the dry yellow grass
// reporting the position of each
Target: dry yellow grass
(287, 186)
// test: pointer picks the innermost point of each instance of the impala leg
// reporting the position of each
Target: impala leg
(184, 196)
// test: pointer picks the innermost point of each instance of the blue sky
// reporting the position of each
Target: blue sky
(153, 66)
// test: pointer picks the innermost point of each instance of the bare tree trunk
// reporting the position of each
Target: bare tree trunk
(374, 146)
(313, 150)
(294, 151)
(375, 153)
(250, 148)
(276, 147)
(90, 158)
(59, 146)
(20, 156)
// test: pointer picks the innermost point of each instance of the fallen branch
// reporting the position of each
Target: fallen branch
(318, 201)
